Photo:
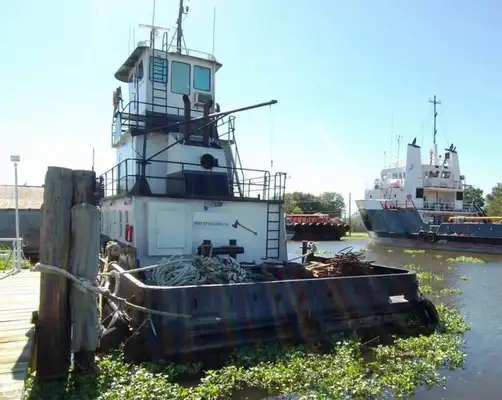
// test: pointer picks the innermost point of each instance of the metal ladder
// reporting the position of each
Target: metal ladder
(159, 67)
(273, 228)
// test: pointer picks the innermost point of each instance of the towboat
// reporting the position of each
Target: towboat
(210, 234)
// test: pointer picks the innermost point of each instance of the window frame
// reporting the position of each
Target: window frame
(210, 78)
(189, 77)
(154, 76)
(140, 68)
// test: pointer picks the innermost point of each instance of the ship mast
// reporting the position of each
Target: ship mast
(435, 102)
(179, 27)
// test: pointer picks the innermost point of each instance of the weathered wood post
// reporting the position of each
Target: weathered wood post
(84, 264)
(52, 327)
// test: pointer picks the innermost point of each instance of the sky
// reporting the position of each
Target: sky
(349, 76)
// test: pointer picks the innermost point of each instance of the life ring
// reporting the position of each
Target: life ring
(421, 235)
(431, 237)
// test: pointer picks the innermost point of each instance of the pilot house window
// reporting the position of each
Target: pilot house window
(139, 71)
(158, 69)
(180, 77)
(201, 78)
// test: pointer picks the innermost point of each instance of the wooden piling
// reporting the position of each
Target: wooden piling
(52, 327)
(85, 264)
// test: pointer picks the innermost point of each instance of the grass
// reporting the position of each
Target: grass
(7, 260)
(356, 235)
(344, 372)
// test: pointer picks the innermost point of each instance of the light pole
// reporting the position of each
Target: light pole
(15, 159)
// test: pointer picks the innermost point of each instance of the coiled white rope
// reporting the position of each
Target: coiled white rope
(198, 270)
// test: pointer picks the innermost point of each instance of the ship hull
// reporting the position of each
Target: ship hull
(400, 227)
(316, 232)
(446, 244)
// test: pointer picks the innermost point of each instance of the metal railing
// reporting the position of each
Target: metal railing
(442, 183)
(12, 254)
(449, 206)
(167, 47)
(397, 204)
(132, 117)
(167, 178)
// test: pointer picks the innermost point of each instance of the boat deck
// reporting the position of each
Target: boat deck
(19, 297)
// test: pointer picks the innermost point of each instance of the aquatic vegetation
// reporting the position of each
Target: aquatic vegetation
(414, 251)
(465, 260)
(340, 373)
(463, 277)
(429, 276)
(349, 369)
(413, 267)
(450, 291)
(318, 251)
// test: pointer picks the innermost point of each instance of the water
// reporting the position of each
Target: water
(480, 302)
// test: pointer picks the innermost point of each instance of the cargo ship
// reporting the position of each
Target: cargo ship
(422, 196)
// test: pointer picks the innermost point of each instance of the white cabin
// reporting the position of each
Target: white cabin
(435, 189)
(178, 179)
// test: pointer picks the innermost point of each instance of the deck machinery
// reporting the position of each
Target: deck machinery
(178, 182)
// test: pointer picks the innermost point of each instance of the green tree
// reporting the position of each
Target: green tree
(494, 201)
(474, 196)
(331, 203)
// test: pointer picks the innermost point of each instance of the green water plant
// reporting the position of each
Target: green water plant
(465, 260)
(414, 251)
(343, 372)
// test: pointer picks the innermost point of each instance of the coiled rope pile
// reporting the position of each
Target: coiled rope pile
(198, 270)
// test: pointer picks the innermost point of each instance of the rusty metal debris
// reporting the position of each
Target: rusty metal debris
(344, 263)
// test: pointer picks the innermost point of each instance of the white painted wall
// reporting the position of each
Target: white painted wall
(164, 227)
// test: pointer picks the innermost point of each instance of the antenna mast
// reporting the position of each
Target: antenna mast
(179, 27)
(399, 137)
(153, 28)
(435, 102)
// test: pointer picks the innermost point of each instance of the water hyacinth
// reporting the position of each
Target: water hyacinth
(349, 370)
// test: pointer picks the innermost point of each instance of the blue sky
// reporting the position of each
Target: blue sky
(349, 77)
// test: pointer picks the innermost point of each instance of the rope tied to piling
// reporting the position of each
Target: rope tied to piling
(174, 271)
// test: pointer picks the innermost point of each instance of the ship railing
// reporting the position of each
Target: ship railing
(449, 206)
(165, 46)
(442, 183)
(397, 204)
(167, 178)
(133, 117)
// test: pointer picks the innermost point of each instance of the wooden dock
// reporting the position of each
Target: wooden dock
(19, 297)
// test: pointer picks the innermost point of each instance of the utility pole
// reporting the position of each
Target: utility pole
(350, 214)
(18, 249)
(435, 102)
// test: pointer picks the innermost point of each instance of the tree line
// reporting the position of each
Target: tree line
(491, 203)
(331, 203)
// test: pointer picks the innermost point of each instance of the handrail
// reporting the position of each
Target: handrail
(17, 260)
(122, 177)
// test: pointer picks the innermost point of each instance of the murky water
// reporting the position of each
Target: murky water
(481, 303)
